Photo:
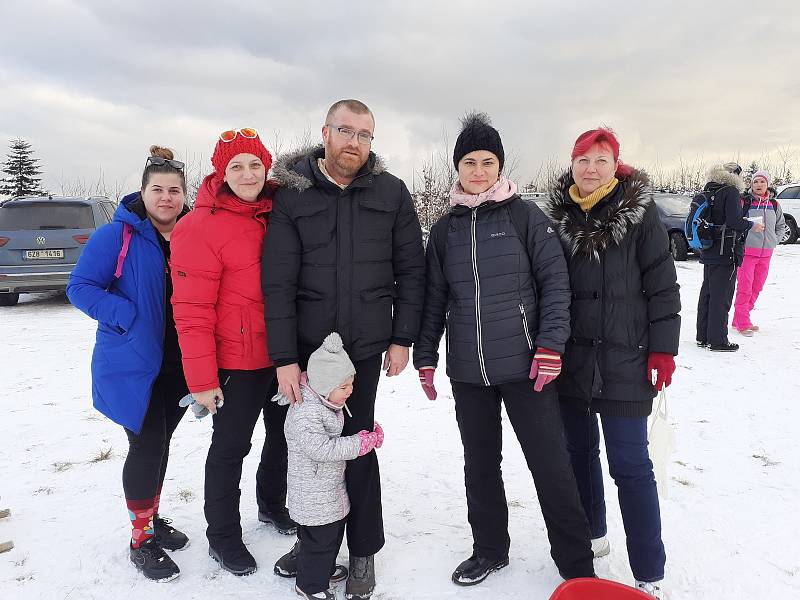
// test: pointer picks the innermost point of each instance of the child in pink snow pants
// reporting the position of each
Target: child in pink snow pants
(758, 250)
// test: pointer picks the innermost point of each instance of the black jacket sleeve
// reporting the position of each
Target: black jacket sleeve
(280, 267)
(659, 284)
(549, 268)
(408, 261)
(426, 348)
(734, 213)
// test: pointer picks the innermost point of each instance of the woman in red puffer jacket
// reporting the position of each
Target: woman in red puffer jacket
(219, 314)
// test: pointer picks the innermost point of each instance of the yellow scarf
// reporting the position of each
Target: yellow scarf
(588, 203)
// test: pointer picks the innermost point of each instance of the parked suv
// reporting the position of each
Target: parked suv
(673, 210)
(41, 238)
(789, 199)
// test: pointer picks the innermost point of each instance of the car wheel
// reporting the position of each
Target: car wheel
(9, 299)
(678, 245)
(792, 233)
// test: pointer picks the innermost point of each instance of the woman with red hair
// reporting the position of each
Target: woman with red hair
(624, 325)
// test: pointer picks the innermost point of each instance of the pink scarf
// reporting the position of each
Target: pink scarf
(502, 190)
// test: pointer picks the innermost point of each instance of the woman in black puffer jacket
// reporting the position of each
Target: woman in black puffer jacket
(497, 281)
(624, 325)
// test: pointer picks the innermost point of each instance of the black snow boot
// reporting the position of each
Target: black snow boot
(237, 560)
(361, 582)
(280, 520)
(729, 347)
(153, 562)
(286, 566)
(167, 536)
(475, 569)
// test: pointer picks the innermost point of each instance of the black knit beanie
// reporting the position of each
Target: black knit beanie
(477, 133)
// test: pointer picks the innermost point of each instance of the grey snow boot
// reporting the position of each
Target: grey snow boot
(361, 582)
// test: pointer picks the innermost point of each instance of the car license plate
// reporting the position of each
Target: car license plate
(43, 254)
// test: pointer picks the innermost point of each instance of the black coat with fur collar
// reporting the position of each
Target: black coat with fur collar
(350, 261)
(625, 297)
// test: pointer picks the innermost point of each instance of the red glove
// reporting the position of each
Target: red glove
(378, 431)
(545, 367)
(426, 379)
(664, 366)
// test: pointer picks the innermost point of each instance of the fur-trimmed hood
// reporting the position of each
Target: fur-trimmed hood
(585, 234)
(719, 175)
(289, 172)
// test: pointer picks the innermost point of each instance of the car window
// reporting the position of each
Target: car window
(673, 205)
(45, 215)
(109, 210)
(790, 192)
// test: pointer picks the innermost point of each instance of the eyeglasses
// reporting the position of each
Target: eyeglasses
(159, 162)
(245, 132)
(348, 134)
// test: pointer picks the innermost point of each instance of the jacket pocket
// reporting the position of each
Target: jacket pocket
(375, 317)
(313, 224)
(376, 220)
(525, 327)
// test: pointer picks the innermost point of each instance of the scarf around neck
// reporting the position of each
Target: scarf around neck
(503, 189)
(589, 201)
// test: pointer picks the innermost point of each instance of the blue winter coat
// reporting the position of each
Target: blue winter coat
(129, 311)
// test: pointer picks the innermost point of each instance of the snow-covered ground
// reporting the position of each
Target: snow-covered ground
(730, 522)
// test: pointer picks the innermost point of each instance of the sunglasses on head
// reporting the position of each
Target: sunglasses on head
(158, 161)
(245, 132)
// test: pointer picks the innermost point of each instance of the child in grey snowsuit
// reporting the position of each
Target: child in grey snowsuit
(317, 496)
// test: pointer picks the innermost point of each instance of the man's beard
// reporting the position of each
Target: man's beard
(348, 169)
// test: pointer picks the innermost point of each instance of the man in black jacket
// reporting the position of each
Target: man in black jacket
(720, 261)
(344, 253)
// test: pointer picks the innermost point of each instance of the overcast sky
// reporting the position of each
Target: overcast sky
(93, 83)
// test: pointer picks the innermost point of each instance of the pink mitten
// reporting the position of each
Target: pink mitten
(367, 442)
(426, 380)
(545, 367)
(378, 435)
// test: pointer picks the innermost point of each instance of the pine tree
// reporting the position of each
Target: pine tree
(22, 170)
(748, 174)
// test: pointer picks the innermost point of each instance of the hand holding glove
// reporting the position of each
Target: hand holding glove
(545, 367)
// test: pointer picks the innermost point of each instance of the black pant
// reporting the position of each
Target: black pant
(716, 297)
(271, 474)
(536, 419)
(246, 393)
(148, 452)
(362, 475)
(316, 561)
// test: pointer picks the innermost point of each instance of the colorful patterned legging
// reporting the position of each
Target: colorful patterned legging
(749, 283)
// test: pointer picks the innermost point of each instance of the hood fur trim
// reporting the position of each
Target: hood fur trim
(589, 236)
(284, 172)
(719, 175)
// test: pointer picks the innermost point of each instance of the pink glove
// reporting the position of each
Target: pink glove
(368, 439)
(545, 367)
(426, 379)
(378, 435)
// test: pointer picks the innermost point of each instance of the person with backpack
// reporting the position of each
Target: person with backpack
(497, 282)
(722, 256)
(624, 325)
(122, 281)
(219, 312)
(758, 249)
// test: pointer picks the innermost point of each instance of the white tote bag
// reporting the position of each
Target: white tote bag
(661, 442)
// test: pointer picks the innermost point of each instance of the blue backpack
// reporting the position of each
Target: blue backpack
(699, 228)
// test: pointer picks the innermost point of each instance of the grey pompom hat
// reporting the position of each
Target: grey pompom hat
(329, 366)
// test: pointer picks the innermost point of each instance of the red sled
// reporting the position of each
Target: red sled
(586, 588)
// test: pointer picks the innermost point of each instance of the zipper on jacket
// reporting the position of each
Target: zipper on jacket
(525, 325)
(447, 333)
(478, 299)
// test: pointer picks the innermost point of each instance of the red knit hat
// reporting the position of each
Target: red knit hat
(225, 151)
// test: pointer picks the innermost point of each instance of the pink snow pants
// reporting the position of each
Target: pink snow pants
(749, 283)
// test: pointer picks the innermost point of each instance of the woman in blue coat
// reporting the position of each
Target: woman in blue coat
(122, 281)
